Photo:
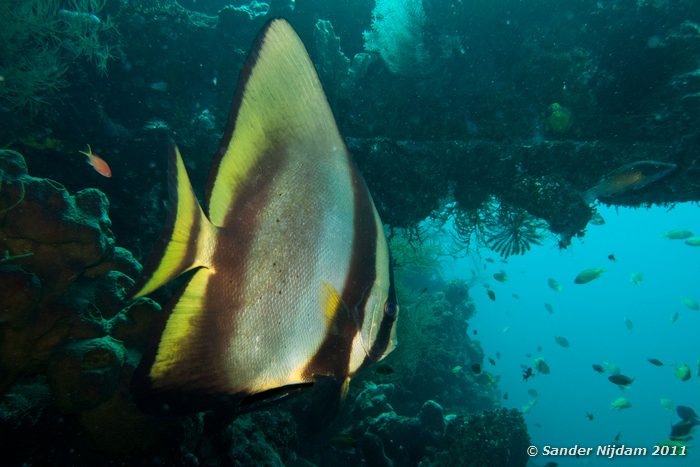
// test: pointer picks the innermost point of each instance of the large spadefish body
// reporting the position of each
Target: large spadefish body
(292, 277)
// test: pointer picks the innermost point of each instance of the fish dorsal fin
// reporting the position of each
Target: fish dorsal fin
(279, 106)
(188, 237)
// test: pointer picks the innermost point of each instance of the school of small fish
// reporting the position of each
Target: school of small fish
(680, 431)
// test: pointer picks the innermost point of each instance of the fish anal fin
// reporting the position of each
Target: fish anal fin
(171, 370)
(179, 337)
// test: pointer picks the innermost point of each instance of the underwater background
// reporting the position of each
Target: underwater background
(613, 320)
(509, 146)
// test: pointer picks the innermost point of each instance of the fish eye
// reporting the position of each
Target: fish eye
(390, 309)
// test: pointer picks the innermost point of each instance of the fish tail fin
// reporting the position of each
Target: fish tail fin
(188, 238)
(86, 153)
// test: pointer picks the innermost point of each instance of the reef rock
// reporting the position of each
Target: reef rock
(372, 401)
(432, 419)
(65, 316)
(46, 230)
(495, 438)
(387, 438)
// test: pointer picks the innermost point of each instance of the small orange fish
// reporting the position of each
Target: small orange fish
(97, 163)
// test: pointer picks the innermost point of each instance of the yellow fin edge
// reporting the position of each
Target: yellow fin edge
(178, 240)
(181, 325)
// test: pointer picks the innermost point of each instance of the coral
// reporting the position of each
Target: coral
(397, 35)
(65, 234)
(432, 419)
(24, 407)
(372, 450)
(558, 119)
(389, 438)
(494, 438)
(403, 438)
(372, 401)
(411, 252)
(457, 295)
(262, 438)
(332, 64)
(416, 263)
(65, 318)
(84, 374)
(433, 326)
(38, 42)
(254, 9)
(84, 32)
(372, 432)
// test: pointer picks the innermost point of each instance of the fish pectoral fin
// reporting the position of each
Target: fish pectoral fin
(188, 237)
(344, 388)
(331, 305)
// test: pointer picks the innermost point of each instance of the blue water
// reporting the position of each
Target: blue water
(592, 318)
